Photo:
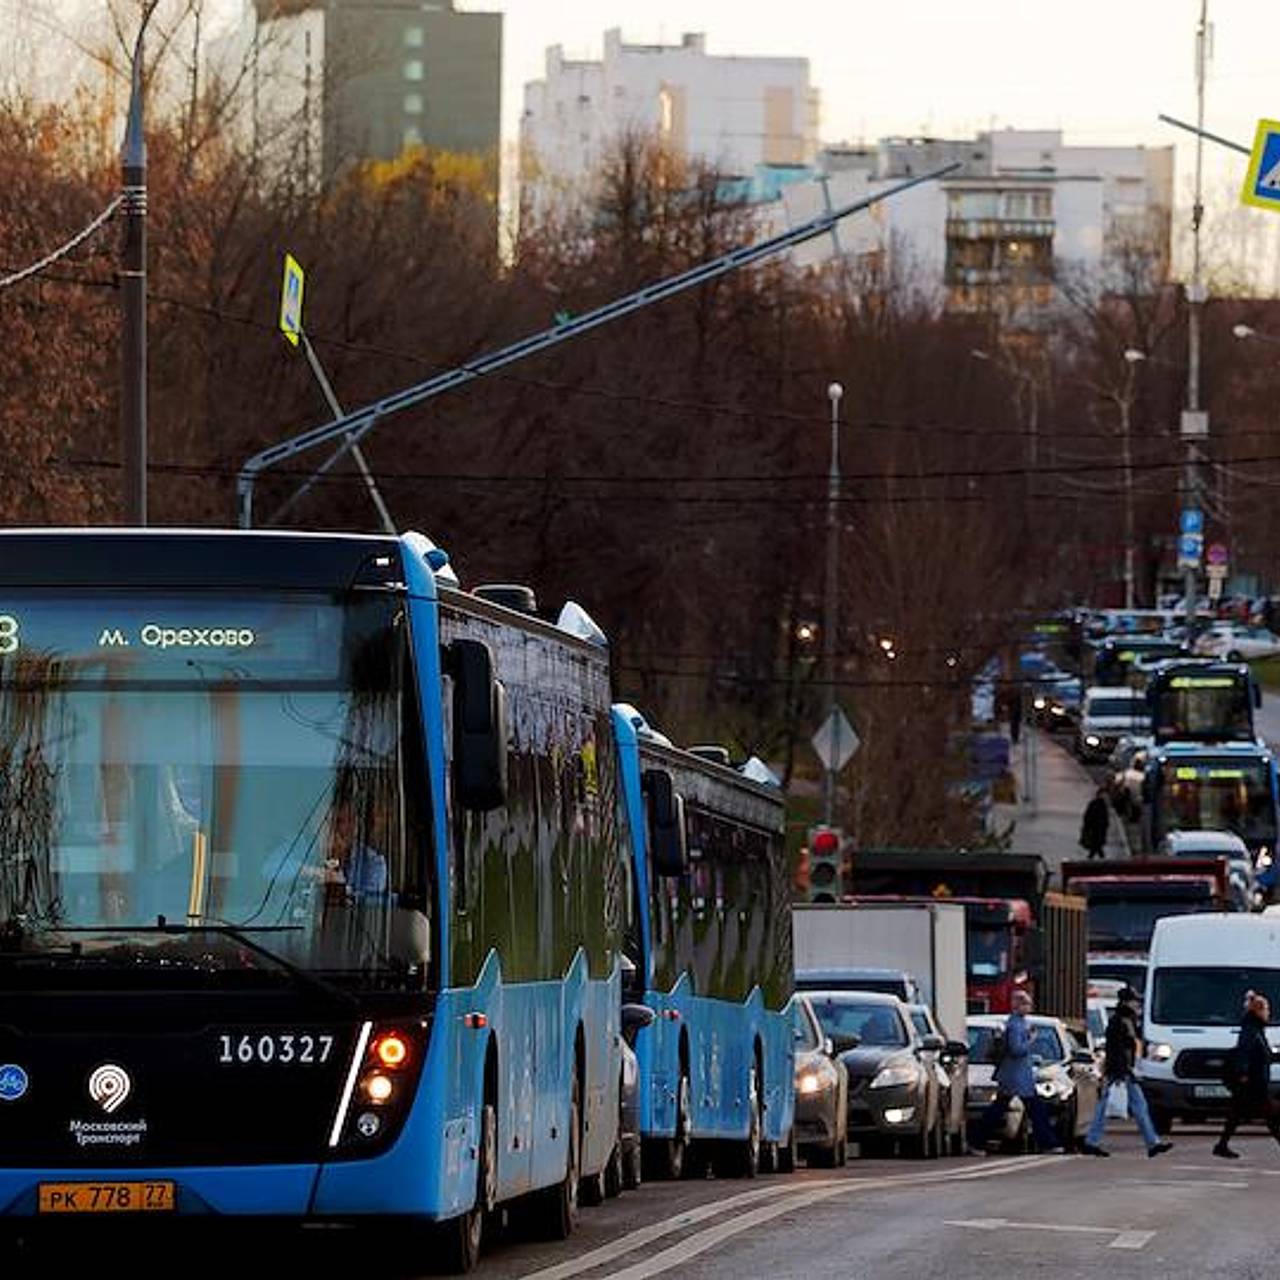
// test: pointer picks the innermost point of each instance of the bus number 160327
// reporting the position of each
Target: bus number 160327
(274, 1049)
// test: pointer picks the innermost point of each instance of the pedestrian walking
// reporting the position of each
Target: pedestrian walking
(1248, 1076)
(1123, 1046)
(1015, 1077)
(1093, 828)
(1015, 715)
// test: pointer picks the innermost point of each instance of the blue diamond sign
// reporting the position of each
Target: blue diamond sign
(1262, 182)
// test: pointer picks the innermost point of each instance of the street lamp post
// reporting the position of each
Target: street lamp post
(834, 394)
(1132, 357)
(133, 295)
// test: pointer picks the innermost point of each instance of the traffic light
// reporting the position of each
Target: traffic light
(826, 870)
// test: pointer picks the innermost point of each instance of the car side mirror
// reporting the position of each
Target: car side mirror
(956, 1049)
(635, 1016)
(932, 1044)
(479, 727)
(828, 1047)
(842, 1043)
(666, 823)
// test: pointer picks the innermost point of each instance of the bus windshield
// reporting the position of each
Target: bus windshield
(1205, 707)
(1217, 796)
(207, 760)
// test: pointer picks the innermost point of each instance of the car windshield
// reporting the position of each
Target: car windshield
(1045, 1044)
(1209, 995)
(803, 1031)
(988, 951)
(1129, 708)
(1097, 1023)
(212, 759)
(874, 1024)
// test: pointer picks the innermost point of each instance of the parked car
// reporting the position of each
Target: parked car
(1109, 713)
(1236, 641)
(623, 1170)
(894, 982)
(822, 1092)
(894, 1095)
(1127, 767)
(1068, 1078)
(1242, 885)
(951, 1062)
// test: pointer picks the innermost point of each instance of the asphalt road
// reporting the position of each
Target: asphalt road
(1184, 1214)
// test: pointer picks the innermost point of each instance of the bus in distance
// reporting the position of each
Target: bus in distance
(1203, 702)
(311, 903)
(712, 942)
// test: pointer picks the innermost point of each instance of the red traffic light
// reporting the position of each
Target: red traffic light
(825, 843)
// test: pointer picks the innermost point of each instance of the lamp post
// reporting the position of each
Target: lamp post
(835, 392)
(133, 294)
(1132, 358)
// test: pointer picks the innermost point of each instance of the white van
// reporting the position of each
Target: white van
(1199, 970)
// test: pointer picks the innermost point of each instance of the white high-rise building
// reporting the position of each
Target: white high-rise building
(1023, 214)
(735, 114)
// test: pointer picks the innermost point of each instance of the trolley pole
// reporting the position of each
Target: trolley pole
(133, 297)
(831, 593)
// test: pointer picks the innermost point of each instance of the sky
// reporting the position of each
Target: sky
(1100, 70)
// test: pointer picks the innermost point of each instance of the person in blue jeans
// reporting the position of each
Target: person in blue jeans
(1121, 1053)
(1016, 1078)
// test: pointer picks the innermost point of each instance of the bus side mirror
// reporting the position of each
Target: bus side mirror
(479, 728)
(666, 823)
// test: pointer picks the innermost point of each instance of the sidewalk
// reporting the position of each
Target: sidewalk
(1056, 788)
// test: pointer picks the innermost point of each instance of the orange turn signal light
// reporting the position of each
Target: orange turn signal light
(392, 1051)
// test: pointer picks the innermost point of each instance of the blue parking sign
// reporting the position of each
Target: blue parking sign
(1262, 182)
(1192, 521)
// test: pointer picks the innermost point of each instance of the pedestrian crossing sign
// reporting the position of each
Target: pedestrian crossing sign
(291, 299)
(1262, 182)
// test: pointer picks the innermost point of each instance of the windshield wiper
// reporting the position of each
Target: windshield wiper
(301, 977)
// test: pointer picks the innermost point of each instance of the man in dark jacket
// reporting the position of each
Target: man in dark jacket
(1093, 830)
(1249, 1076)
(1122, 1052)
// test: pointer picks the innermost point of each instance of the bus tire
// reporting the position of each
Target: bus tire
(558, 1205)
(787, 1153)
(740, 1158)
(464, 1235)
(664, 1158)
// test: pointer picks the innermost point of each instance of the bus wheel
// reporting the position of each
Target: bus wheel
(787, 1153)
(741, 1158)
(665, 1157)
(560, 1203)
(464, 1235)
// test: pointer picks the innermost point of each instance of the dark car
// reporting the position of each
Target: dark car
(951, 1063)
(1067, 1076)
(894, 1095)
(822, 1092)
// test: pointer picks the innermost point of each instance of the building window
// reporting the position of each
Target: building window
(413, 37)
(1041, 204)
(413, 104)
(1016, 204)
(413, 69)
(412, 136)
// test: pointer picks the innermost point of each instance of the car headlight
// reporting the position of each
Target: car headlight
(1158, 1051)
(816, 1079)
(1092, 740)
(888, 1077)
(1039, 704)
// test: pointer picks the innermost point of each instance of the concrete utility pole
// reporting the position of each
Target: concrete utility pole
(1194, 423)
(831, 593)
(133, 296)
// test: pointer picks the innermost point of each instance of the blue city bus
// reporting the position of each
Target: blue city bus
(1203, 701)
(1224, 786)
(711, 937)
(312, 888)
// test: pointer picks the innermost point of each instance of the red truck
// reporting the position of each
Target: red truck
(1126, 896)
(1019, 932)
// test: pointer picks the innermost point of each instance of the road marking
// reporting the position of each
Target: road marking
(1187, 1183)
(786, 1200)
(1122, 1238)
(1217, 1168)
